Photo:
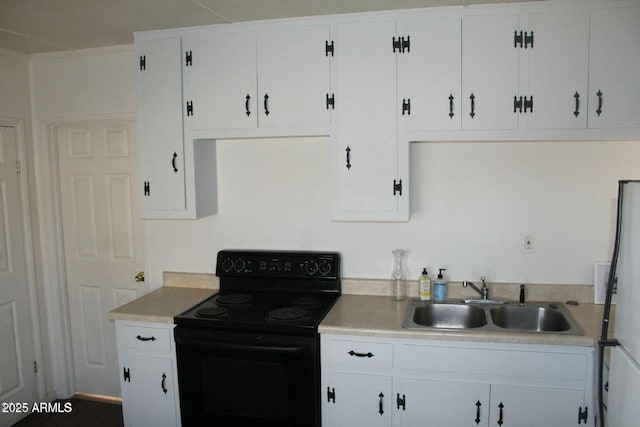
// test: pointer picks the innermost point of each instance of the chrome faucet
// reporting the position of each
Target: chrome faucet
(484, 292)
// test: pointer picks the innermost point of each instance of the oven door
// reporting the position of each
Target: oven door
(245, 379)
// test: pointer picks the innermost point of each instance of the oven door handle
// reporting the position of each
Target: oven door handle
(222, 345)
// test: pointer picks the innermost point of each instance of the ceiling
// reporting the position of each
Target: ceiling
(37, 26)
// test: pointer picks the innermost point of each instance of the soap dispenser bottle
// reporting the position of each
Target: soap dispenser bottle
(440, 287)
(425, 286)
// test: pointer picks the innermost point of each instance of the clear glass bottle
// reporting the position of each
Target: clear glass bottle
(398, 277)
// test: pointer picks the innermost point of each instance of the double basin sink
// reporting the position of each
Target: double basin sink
(493, 316)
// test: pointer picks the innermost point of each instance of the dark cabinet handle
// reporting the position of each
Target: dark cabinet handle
(451, 106)
(599, 95)
(473, 105)
(353, 353)
(577, 110)
(380, 410)
(478, 405)
(500, 422)
(141, 338)
(348, 150)
(162, 383)
(173, 162)
(246, 105)
(266, 104)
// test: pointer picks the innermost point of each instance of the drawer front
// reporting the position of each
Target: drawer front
(555, 366)
(361, 353)
(146, 338)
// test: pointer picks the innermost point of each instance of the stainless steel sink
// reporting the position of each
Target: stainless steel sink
(455, 316)
(530, 318)
(494, 316)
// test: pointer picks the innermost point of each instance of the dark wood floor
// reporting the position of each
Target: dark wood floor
(83, 412)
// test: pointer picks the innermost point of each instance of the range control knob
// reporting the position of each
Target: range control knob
(239, 265)
(227, 265)
(311, 267)
(324, 267)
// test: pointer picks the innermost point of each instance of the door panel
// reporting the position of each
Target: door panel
(294, 71)
(489, 72)
(558, 68)
(517, 405)
(433, 86)
(367, 147)
(221, 81)
(102, 242)
(614, 66)
(624, 389)
(17, 355)
(444, 403)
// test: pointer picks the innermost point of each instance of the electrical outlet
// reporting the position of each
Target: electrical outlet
(528, 244)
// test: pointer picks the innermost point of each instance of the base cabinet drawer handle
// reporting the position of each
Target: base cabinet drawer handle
(353, 353)
(141, 338)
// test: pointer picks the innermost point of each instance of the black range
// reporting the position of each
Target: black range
(250, 355)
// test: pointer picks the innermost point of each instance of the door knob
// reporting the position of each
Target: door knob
(139, 277)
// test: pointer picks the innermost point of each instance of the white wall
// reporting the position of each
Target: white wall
(84, 83)
(472, 202)
(14, 85)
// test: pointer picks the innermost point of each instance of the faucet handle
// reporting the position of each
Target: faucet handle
(483, 279)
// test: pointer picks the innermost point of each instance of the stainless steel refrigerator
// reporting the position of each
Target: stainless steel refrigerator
(623, 403)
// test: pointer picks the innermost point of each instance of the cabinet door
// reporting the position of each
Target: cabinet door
(148, 391)
(429, 75)
(544, 406)
(624, 383)
(614, 67)
(489, 72)
(360, 400)
(558, 69)
(159, 95)
(442, 403)
(366, 148)
(293, 76)
(220, 81)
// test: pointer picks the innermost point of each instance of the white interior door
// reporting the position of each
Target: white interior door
(17, 355)
(102, 232)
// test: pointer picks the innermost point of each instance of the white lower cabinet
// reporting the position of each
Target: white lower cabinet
(360, 400)
(369, 381)
(518, 405)
(442, 403)
(148, 374)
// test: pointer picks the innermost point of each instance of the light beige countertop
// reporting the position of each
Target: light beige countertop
(356, 313)
(370, 315)
(161, 305)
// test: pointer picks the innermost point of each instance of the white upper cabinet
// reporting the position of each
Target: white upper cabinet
(274, 78)
(429, 74)
(558, 58)
(490, 72)
(159, 97)
(220, 86)
(374, 83)
(293, 77)
(366, 153)
(614, 68)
